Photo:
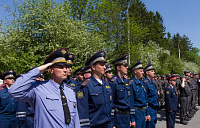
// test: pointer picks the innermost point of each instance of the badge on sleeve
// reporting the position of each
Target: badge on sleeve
(80, 94)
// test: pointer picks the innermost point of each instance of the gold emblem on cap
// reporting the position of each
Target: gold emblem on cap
(70, 56)
(102, 54)
(63, 51)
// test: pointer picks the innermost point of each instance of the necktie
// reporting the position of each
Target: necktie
(65, 107)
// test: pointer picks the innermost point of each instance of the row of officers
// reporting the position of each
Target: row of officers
(94, 98)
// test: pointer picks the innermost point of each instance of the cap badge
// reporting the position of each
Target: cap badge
(63, 51)
(70, 56)
(102, 54)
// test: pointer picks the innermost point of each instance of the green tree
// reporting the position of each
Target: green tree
(39, 28)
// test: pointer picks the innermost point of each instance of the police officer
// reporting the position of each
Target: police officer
(8, 105)
(70, 81)
(152, 96)
(184, 93)
(108, 73)
(54, 102)
(79, 75)
(198, 82)
(95, 96)
(138, 99)
(171, 102)
(121, 93)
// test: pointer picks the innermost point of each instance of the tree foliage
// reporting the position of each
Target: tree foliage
(85, 26)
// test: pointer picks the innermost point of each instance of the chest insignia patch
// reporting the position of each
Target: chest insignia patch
(126, 84)
(107, 87)
(80, 94)
(167, 92)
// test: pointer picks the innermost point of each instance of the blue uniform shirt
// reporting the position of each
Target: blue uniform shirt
(152, 96)
(171, 100)
(8, 107)
(94, 102)
(138, 96)
(44, 97)
(120, 92)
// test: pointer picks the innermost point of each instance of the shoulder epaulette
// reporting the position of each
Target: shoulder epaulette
(130, 82)
(113, 79)
(85, 82)
(2, 86)
(145, 81)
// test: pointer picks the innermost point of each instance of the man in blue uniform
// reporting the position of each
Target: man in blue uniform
(8, 105)
(70, 81)
(152, 96)
(95, 96)
(121, 92)
(79, 75)
(54, 102)
(138, 99)
(108, 73)
(171, 102)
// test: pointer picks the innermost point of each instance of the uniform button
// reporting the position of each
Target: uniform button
(12, 103)
(12, 109)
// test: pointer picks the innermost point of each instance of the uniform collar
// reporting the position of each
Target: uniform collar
(95, 82)
(136, 80)
(56, 85)
(119, 80)
(171, 86)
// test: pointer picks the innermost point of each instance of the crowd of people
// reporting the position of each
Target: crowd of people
(95, 97)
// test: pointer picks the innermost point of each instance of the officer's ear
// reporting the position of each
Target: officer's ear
(93, 67)
(50, 70)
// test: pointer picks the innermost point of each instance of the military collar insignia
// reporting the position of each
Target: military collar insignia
(107, 87)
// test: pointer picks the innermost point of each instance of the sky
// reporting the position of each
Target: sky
(179, 16)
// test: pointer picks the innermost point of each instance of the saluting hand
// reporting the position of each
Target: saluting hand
(148, 118)
(133, 124)
(42, 68)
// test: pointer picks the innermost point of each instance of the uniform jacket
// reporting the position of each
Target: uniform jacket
(94, 102)
(171, 100)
